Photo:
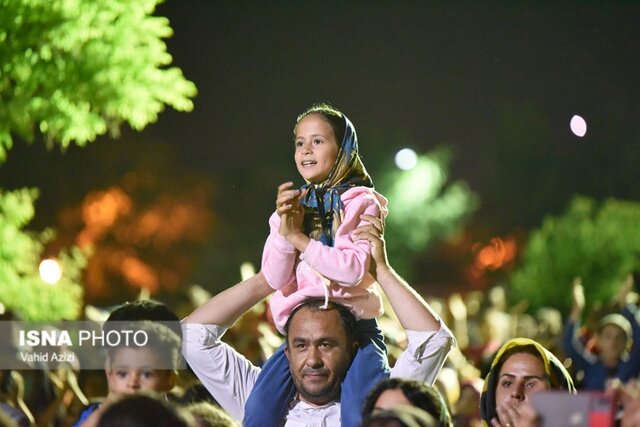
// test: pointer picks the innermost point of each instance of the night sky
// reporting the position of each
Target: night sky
(497, 83)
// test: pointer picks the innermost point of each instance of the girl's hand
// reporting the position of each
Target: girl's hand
(286, 198)
(289, 208)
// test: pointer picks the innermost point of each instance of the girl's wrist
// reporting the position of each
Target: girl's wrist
(299, 240)
(289, 235)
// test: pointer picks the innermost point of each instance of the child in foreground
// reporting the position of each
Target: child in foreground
(132, 369)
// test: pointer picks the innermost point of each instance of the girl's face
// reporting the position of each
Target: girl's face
(316, 148)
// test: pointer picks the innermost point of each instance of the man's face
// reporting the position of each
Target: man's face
(319, 354)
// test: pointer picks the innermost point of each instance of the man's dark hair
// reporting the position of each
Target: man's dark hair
(347, 318)
(420, 394)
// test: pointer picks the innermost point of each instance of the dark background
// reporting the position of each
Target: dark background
(497, 82)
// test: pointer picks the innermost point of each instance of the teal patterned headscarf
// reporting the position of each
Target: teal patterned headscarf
(323, 200)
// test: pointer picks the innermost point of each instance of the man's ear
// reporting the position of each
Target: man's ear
(354, 348)
(286, 351)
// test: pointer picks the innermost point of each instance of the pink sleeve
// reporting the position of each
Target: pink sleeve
(347, 261)
(278, 257)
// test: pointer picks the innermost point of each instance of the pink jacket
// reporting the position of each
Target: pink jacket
(341, 270)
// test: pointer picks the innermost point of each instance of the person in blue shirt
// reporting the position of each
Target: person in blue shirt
(615, 335)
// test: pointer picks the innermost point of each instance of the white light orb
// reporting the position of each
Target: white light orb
(406, 159)
(247, 270)
(578, 126)
(50, 271)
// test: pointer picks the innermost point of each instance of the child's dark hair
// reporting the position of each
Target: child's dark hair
(146, 310)
(328, 113)
(145, 410)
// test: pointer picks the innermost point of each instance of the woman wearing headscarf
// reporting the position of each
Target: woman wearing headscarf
(520, 368)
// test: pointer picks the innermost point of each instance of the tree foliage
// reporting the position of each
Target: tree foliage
(424, 207)
(71, 70)
(20, 254)
(600, 242)
(75, 69)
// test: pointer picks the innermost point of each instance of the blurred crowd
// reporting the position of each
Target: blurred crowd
(592, 346)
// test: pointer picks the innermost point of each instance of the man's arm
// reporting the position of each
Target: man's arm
(429, 340)
(412, 310)
(228, 306)
(227, 375)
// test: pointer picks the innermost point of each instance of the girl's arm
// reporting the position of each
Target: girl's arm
(278, 257)
(347, 261)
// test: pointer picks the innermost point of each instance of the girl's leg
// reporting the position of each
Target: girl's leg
(370, 366)
(269, 400)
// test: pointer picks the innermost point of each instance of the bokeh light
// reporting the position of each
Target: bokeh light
(424, 207)
(496, 254)
(247, 270)
(578, 126)
(406, 159)
(50, 271)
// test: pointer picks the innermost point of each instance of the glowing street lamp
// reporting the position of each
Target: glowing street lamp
(406, 159)
(50, 271)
